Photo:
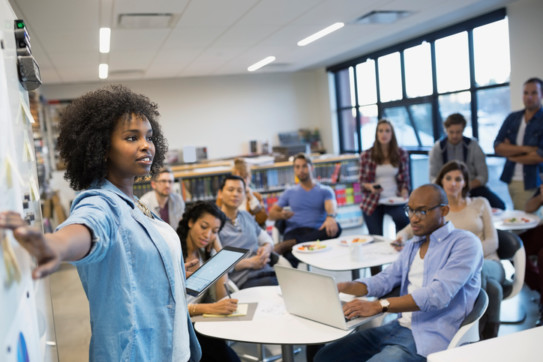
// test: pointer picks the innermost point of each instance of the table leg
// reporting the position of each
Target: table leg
(355, 274)
(288, 352)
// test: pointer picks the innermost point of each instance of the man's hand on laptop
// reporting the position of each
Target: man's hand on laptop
(361, 308)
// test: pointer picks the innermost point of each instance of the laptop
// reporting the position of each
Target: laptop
(314, 296)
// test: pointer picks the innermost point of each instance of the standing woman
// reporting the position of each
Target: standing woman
(129, 261)
(384, 173)
(198, 232)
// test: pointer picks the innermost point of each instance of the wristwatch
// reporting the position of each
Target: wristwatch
(331, 215)
(384, 305)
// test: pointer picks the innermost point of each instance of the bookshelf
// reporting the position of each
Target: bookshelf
(200, 182)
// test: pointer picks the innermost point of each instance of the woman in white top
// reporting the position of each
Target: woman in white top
(475, 215)
(384, 177)
(198, 230)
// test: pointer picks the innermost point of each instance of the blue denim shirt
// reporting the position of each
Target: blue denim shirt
(532, 137)
(451, 283)
(128, 278)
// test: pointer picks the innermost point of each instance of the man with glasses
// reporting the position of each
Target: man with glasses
(162, 200)
(438, 272)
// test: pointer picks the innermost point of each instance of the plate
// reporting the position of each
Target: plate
(395, 200)
(366, 239)
(310, 247)
(519, 220)
(496, 211)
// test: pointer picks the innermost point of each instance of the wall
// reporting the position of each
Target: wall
(525, 38)
(225, 113)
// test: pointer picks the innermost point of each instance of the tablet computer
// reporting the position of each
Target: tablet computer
(213, 269)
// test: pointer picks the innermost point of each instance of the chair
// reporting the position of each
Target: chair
(469, 329)
(511, 248)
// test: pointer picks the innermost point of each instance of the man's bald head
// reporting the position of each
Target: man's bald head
(428, 207)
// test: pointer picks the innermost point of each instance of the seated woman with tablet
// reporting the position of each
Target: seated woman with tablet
(198, 231)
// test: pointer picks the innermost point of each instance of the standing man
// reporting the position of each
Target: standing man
(312, 214)
(242, 231)
(457, 147)
(439, 274)
(165, 203)
(520, 139)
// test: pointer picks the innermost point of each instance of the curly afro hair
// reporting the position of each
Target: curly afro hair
(86, 127)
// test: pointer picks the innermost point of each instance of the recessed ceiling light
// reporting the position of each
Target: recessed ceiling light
(261, 63)
(103, 71)
(320, 34)
(382, 17)
(105, 36)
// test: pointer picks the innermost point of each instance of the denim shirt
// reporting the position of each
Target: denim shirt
(128, 278)
(532, 137)
(451, 283)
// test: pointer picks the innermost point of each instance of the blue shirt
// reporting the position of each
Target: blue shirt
(451, 283)
(129, 279)
(243, 234)
(532, 137)
(307, 206)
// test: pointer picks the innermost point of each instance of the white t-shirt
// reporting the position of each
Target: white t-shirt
(181, 343)
(385, 175)
(518, 175)
(415, 277)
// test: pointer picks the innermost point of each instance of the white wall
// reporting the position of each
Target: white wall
(225, 113)
(526, 45)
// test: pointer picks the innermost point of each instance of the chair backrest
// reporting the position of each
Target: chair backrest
(469, 329)
(511, 248)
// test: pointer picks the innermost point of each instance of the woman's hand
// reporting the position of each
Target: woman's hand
(34, 241)
(191, 266)
(224, 306)
(374, 188)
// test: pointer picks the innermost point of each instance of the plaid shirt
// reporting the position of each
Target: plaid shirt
(367, 175)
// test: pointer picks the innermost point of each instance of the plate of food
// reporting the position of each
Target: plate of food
(311, 247)
(520, 220)
(394, 200)
(366, 239)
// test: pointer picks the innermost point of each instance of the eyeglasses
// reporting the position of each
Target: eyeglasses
(164, 182)
(421, 214)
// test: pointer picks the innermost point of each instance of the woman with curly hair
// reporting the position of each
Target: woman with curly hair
(129, 261)
(198, 232)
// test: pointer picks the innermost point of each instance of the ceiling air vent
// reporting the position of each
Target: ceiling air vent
(382, 17)
(145, 21)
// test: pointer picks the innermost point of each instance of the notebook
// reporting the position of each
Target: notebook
(314, 296)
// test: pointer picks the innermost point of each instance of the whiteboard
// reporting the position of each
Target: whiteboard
(23, 321)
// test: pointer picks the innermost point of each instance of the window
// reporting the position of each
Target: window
(419, 83)
(418, 70)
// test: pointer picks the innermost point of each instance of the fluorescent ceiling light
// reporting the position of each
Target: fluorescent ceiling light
(105, 35)
(103, 71)
(261, 63)
(320, 34)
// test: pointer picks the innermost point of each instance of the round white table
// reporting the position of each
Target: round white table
(337, 256)
(271, 324)
(501, 221)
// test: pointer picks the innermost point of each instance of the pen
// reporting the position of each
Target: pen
(227, 291)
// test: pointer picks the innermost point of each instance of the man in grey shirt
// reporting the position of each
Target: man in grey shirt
(457, 147)
(242, 231)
